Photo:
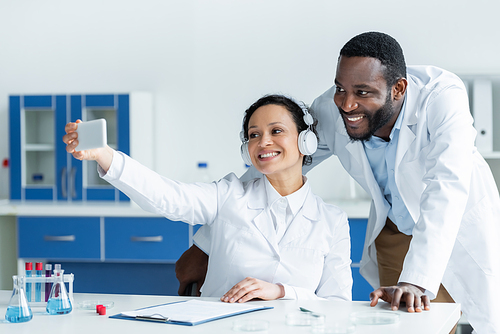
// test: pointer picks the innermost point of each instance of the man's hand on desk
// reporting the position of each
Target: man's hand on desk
(251, 288)
(411, 294)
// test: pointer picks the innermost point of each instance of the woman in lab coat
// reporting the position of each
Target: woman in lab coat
(271, 236)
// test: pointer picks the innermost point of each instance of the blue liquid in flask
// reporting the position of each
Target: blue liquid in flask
(59, 306)
(59, 302)
(17, 314)
(18, 309)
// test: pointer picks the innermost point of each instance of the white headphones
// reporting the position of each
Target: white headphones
(308, 143)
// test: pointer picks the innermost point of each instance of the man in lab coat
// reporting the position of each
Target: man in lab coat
(405, 134)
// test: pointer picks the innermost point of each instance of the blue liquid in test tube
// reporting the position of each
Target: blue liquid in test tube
(28, 268)
(38, 286)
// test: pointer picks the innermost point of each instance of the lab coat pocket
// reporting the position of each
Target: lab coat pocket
(247, 252)
(477, 235)
(305, 264)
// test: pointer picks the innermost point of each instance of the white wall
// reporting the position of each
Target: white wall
(207, 61)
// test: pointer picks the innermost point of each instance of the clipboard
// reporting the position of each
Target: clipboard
(189, 312)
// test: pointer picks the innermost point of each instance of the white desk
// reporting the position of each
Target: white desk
(440, 319)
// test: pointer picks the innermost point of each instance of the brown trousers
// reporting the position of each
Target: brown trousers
(392, 246)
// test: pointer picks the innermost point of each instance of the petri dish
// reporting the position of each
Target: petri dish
(334, 326)
(300, 318)
(374, 318)
(250, 325)
(91, 304)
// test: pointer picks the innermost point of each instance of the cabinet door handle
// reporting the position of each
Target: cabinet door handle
(72, 184)
(59, 237)
(158, 238)
(63, 183)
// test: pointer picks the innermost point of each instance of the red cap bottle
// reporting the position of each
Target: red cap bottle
(39, 266)
(28, 266)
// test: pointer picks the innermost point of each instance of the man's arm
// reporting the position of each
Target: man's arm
(445, 181)
(191, 268)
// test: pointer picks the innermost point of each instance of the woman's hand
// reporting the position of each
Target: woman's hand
(251, 288)
(103, 155)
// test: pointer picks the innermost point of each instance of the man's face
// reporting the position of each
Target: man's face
(363, 98)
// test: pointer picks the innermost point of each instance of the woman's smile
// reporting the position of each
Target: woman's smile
(268, 155)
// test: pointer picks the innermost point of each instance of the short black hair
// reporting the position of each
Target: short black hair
(382, 47)
(293, 108)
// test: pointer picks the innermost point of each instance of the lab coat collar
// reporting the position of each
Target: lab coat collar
(409, 123)
(262, 219)
(295, 201)
(259, 201)
(300, 224)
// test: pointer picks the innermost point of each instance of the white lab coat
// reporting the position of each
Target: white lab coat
(447, 187)
(311, 260)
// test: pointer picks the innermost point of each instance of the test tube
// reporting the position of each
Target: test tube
(48, 285)
(28, 268)
(38, 286)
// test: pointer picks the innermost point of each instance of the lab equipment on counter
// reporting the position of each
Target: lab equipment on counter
(304, 318)
(252, 325)
(28, 268)
(202, 174)
(374, 318)
(48, 285)
(38, 286)
(94, 304)
(59, 302)
(45, 282)
(18, 309)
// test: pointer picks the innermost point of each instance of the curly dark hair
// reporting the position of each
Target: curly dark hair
(382, 47)
(289, 104)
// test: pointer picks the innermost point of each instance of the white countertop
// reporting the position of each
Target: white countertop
(354, 208)
(440, 319)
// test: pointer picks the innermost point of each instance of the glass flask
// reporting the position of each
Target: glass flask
(18, 309)
(58, 302)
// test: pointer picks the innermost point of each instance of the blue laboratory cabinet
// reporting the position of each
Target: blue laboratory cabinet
(361, 288)
(108, 254)
(41, 169)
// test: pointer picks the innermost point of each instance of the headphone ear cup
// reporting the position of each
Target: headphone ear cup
(244, 153)
(308, 143)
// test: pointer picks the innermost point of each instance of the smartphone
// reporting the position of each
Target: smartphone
(91, 134)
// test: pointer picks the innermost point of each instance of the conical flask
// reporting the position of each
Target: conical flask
(18, 309)
(58, 302)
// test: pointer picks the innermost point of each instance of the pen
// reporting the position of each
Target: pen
(314, 314)
(38, 286)
(28, 267)
(153, 317)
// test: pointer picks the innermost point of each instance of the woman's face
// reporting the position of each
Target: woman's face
(273, 141)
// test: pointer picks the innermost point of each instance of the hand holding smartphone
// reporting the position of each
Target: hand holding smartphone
(91, 134)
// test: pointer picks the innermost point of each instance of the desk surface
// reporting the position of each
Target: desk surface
(353, 208)
(440, 319)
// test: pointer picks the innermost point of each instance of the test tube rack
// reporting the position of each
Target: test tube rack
(67, 278)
